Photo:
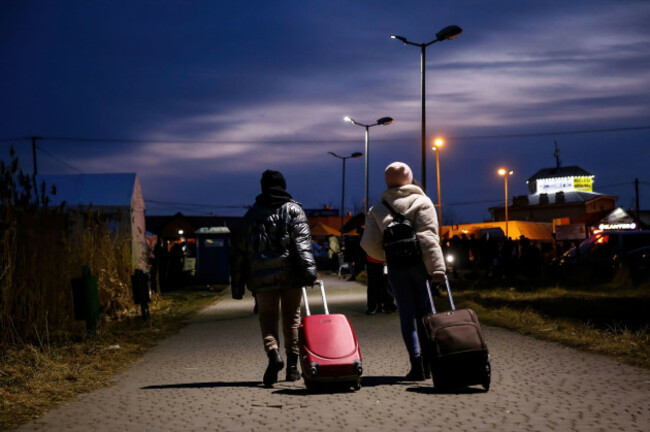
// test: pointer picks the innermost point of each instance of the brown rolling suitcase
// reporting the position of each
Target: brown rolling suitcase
(457, 349)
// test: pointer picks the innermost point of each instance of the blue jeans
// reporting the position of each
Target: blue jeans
(410, 286)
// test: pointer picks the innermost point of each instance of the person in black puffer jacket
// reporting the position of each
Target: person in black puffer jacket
(272, 256)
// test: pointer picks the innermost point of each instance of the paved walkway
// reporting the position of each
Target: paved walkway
(208, 378)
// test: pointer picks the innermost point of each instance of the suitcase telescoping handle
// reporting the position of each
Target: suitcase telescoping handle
(322, 293)
(451, 299)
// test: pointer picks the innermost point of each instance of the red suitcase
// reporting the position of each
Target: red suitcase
(329, 351)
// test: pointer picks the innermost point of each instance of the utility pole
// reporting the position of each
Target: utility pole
(34, 138)
(636, 193)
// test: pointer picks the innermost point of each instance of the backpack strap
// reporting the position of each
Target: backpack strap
(399, 217)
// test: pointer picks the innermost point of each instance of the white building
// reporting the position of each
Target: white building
(116, 195)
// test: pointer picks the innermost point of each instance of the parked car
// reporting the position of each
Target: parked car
(605, 253)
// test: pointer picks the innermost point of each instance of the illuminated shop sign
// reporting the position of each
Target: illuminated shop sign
(583, 184)
(618, 226)
(565, 184)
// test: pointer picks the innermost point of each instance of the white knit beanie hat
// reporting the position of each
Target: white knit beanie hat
(398, 174)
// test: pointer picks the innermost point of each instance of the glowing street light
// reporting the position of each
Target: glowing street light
(505, 173)
(382, 121)
(343, 158)
(447, 33)
(437, 143)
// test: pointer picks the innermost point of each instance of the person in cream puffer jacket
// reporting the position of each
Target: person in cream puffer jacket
(409, 284)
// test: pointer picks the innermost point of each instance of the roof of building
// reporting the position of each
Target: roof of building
(106, 189)
(321, 229)
(556, 172)
(618, 215)
(569, 197)
(615, 216)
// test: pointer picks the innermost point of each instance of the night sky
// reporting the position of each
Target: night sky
(200, 97)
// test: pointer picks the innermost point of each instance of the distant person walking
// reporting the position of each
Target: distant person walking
(410, 282)
(379, 296)
(273, 258)
(333, 252)
(351, 255)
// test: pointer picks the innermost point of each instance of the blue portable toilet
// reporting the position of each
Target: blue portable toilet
(213, 255)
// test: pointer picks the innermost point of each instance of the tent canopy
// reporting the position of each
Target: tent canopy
(355, 222)
(322, 230)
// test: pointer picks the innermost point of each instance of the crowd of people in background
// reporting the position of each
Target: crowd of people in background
(495, 257)
(488, 257)
(467, 256)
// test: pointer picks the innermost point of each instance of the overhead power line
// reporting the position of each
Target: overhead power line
(616, 185)
(14, 139)
(460, 203)
(629, 183)
(541, 134)
(471, 202)
(61, 161)
(322, 141)
(163, 141)
(196, 204)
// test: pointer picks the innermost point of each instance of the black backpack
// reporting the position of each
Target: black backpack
(400, 241)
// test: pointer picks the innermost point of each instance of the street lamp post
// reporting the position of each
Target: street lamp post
(436, 147)
(343, 158)
(447, 33)
(506, 173)
(382, 121)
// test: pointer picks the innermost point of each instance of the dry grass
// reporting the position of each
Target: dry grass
(610, 319)
(41, 250)
(628, 343)
(34, 380)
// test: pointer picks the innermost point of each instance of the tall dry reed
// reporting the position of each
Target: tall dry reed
(41, 250)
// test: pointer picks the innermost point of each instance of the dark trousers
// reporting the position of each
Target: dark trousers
(410, 287)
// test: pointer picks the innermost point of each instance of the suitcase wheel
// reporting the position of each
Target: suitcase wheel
(357, 385)
(488, 376)
(438, 382)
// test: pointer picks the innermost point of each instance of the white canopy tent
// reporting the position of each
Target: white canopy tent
(109, 193)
